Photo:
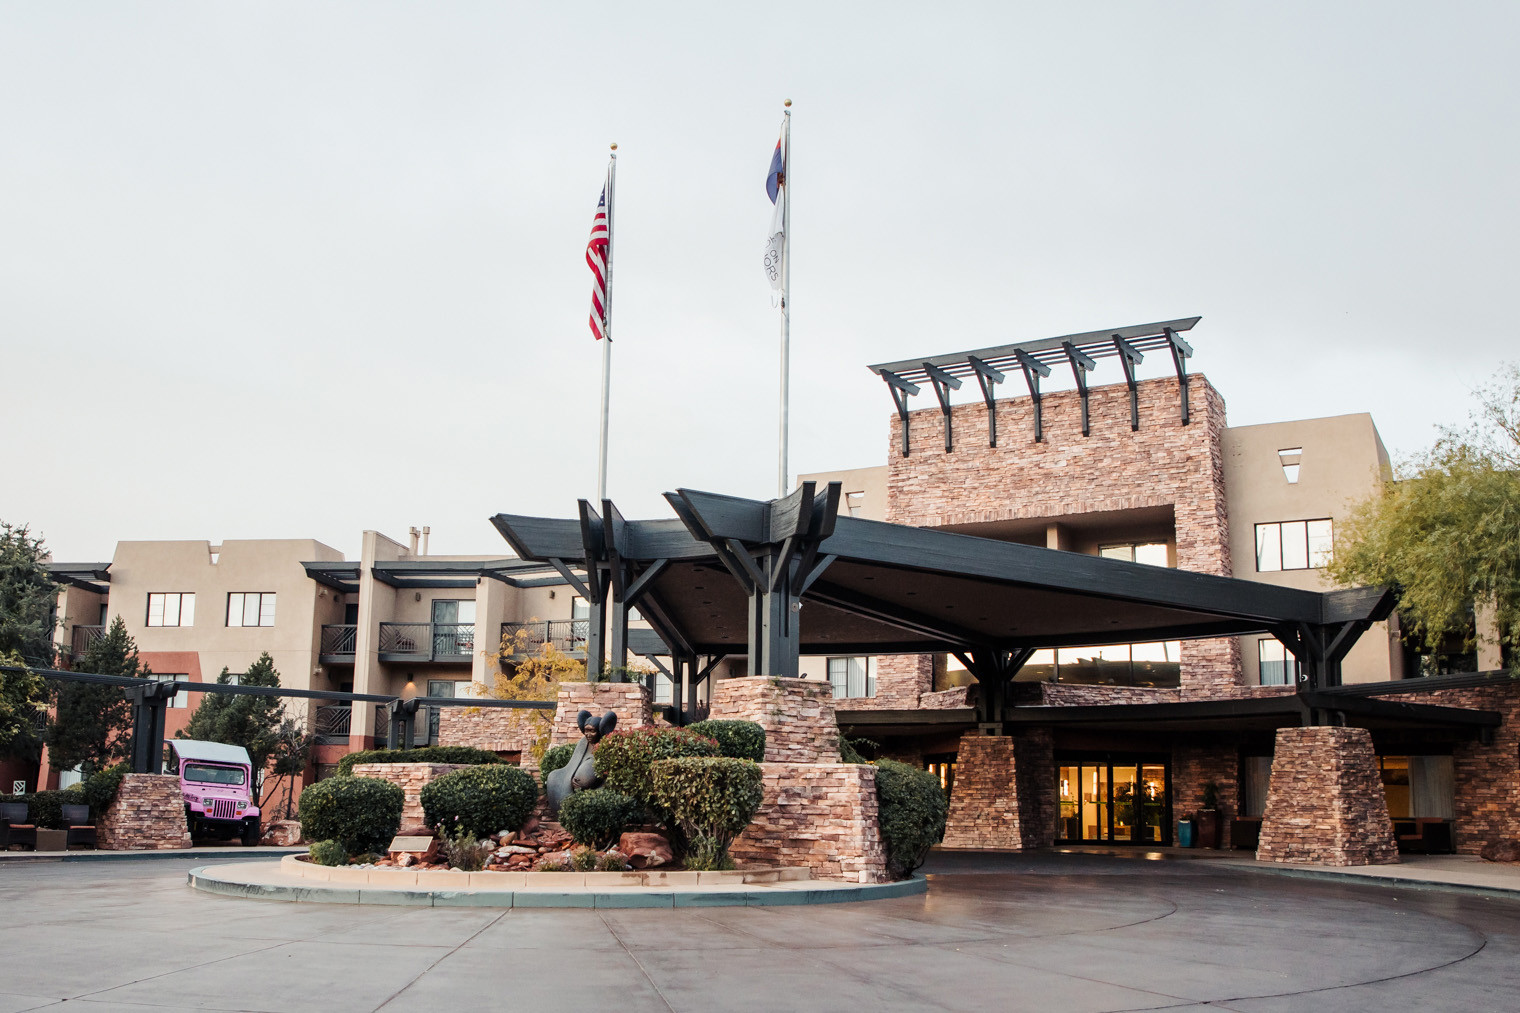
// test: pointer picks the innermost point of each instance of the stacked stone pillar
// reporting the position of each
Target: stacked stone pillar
(628, 700)
(1004, 795)
(1325, 805)
(148, 814)
(411, 778)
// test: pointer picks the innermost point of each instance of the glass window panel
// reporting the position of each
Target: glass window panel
(1124, 552)
(235, 609)
(856, 679)
(466, 613)
(1290, 472)
(580, 608)
(187, 610)
(1321, 543)
(1295, 546)
(1268, 547)
(870, 678)
(1152, 791)
(1126, 803)
(1271, 662)
(1041, 667)
(155, 610)
(1395, 771)
(1068, 822)
(251, 609)
(837, 671)
(266, 609)
(1151, 554)
(171, 610)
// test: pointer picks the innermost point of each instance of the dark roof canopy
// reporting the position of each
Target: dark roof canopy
(877, 588)
(435, 573)
(94, 577)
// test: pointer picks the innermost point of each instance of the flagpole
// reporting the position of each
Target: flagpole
(601, 474)
(786, 296)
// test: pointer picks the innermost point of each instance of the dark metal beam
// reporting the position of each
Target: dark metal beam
(1180, 350)
(943, 384)
(1033, 369)
(1129, 358)
(956, 362)
(986, 378)
(1081, 363)
(900, 390)
(892, 614)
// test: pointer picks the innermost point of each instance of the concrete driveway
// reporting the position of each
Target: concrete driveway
(1050, 932)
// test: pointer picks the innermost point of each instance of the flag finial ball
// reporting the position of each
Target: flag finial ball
(788, 103)
(614, 145)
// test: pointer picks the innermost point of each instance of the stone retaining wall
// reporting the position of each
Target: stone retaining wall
(410, 777)
(821, 816)
(1004, 795)
(497, 729)
(797, 715)
(629, 700)
(1325, 804)
(148, 814)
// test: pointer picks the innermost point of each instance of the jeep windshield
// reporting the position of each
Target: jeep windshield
(207, 774)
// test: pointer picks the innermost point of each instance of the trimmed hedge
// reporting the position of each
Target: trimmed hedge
(555, 757)
(484, 800)
(328, 853)
(712, 800)
(425, 754)
(45, 808)
(743, 740)
(624, 758)
(598, 817)
(912, 810)
(360, 813)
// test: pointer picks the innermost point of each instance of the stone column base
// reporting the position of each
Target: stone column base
(410, 778)
(1004, 795)
(819, 815)
(628, 700)
(148, 814)
(1325, 805)
(797, 715)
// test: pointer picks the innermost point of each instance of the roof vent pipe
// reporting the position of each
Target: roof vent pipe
(425, 531)
(414, 533)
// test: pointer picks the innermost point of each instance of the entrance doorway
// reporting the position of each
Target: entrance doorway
(1120, 800)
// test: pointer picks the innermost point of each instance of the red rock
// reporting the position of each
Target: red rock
(645, 851)
(282, 833)
(1500, 851)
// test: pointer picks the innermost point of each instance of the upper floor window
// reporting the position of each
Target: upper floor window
(181, 699)
(854, 503)
(1290, 459)
(1150, 553)
(1275, 664)
(1293, 545)
(852, 677)
(170, 609)
(250, 608)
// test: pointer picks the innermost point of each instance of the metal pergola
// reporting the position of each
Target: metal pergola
(782, 578)
(1035, 359)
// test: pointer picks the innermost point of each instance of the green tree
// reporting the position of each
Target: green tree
(28, 597)
(91, 725)
(252, 722)
(1446, 534)
(292, 753)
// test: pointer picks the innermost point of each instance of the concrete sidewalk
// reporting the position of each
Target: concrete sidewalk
(206, 851)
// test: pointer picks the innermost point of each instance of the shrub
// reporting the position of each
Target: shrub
(100, 788)
(464, 850)
(483, 800)
(45, 808)
(425, 754)
(555, 757)
(743, 740)
(360, 813)
(583, 860)
(912, 810)
(328, 853)
(712, 800)
(612, 861)
(850, 749)
(597, 818)
(624, 758)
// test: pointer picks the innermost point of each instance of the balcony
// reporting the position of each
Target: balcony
(439, 643)
(565, 635)
(338, 644)
(333, 724)
(84, 636)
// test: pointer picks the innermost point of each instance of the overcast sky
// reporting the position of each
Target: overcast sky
(297, 270)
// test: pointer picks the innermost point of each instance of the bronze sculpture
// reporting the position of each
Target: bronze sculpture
(580, 773)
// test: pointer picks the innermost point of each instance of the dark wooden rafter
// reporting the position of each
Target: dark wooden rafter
(943, 384)
(1033, 369)
(901, 390)
(1129, 358)
(987, 378)
(1081, 365)
(1181, 351)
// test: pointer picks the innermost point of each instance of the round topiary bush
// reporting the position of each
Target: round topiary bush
(360, 813)
(624, 758)
(743, 740)
(483, 800)
(555, 757)
(712, 800)
(423, 754)
(328, 853)
(598, 817)
(912, 809)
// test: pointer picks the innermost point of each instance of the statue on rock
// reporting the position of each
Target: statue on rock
(580, 773)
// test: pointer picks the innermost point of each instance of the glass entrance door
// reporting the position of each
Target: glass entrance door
(1112, 803)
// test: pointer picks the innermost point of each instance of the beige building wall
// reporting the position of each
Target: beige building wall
(1341, 462)
(863, 493)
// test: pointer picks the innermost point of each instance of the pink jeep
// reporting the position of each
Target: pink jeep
(215, 781)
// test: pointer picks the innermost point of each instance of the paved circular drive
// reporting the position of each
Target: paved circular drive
(1047, 932)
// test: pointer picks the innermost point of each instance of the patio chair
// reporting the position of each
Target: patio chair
(14, 828)
(76, 819)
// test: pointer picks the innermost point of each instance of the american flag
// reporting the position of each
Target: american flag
(596, 259)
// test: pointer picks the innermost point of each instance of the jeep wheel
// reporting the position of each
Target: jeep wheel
(251, 834)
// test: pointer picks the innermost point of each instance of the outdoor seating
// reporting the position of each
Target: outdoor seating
(81, 829)
(1424, 835)
(14, 828)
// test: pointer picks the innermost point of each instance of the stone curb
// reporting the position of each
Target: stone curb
(205, 878)
(1394, 882)
(27, 857)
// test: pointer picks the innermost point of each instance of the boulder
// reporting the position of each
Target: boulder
(282, 833)
(1501, 851)
(645, 851)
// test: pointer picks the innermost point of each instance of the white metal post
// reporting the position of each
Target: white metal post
(786, 295)
(601, 474)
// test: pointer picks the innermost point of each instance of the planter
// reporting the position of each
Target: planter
(1185, 833)
(52, 840)
(1208, 828)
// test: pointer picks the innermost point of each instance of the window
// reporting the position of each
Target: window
(1154, 664)
(1294, 545)
(1290, 460)
(1275, 664)
(181, 699)
(1150, 553)
(852, 677)
(250, 608)
(664, 689)
(855, 502)
(171, 609)
(580, 608)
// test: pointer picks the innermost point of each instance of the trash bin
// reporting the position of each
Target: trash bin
(1185, 836)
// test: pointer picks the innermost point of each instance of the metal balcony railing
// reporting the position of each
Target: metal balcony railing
(567, 635)
(333, 724)
(339, 639)
(84, 636)
(427, 641)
